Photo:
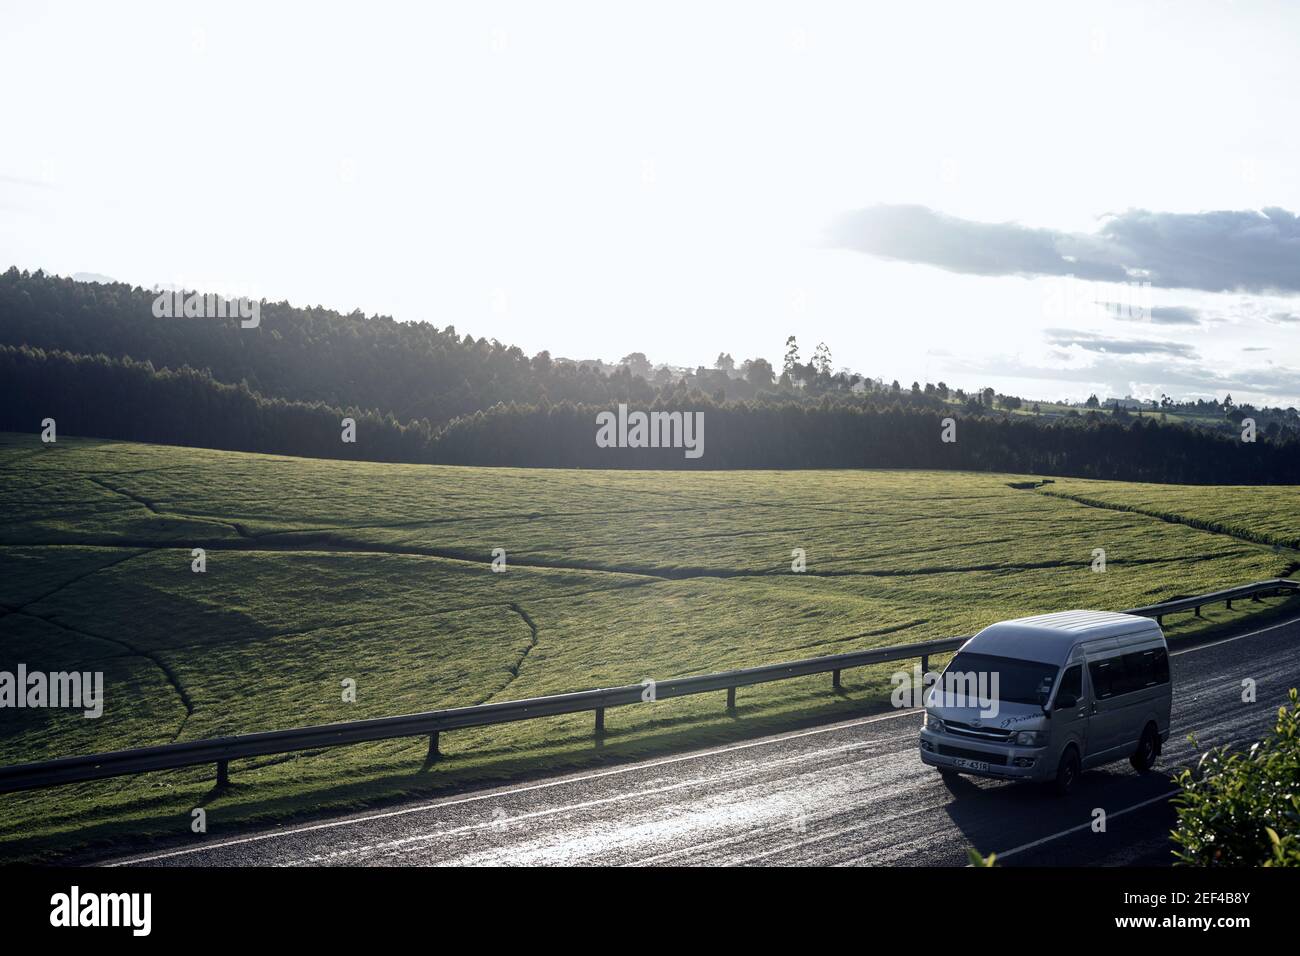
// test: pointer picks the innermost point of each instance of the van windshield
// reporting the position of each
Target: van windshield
(1019, 682)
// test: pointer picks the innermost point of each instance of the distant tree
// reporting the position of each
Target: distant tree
(986, 397)
(636, 363)
(942, 390)
(1093, 401)
(1009, 402)
(821, 361)
(758, 372)
(725, 363)
(791, 356)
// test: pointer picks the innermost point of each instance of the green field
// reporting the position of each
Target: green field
(322, 571)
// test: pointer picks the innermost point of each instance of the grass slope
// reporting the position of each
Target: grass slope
(321, 571)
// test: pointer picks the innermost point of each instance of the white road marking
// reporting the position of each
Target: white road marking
(1229, 640)
(1084, 826)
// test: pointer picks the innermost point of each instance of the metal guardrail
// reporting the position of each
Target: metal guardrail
(1227, 596)
(221, 750)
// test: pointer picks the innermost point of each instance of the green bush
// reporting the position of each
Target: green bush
(1243, 809)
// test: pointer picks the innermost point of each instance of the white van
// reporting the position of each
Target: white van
(1042, 698)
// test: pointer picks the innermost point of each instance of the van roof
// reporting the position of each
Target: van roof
(1051, 637)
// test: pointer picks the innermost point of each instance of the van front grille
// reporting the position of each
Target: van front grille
(978, 733)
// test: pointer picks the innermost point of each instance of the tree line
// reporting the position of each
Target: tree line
(124, 398)
(418, 372)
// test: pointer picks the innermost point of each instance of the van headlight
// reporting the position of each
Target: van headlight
(1030, 738)
(933, 723)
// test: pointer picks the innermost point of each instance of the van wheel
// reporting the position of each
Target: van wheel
(1144, 758)
(1067, 772)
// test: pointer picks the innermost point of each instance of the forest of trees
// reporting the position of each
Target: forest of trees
(125, 399)
(411, 369)
(850, 435)
(121, 398)
(94, 358)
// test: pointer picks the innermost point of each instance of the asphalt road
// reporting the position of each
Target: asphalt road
(846, 793)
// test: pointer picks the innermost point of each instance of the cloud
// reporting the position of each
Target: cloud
(1157, 315)
(1247, 251)
(1175, 315)
(1092, 342)
(23, 181)
(1284, 317)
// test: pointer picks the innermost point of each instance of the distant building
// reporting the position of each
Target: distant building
(1131, 404)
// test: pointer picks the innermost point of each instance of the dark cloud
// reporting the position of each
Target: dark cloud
(1092, 342)
(1247, 251)
(1284, 317)
(918, 234)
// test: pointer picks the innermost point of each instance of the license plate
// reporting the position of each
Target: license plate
(970, 764)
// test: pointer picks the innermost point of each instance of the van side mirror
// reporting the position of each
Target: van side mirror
(1066, 701)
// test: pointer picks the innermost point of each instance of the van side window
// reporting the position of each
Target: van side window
(1146, 669)
(1162, 666)
(1071, 683)
(1103, 673)
(1129, 672)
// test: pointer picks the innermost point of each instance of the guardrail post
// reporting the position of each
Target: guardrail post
(1229, 603)
(731, 699)
(1255, 598)
(223, 773)
(434, 752)
(1198, 610)
(925, 665)
(600, 721)
(835, 679)
(1160, 619)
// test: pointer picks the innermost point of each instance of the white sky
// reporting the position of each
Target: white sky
(595, 179)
